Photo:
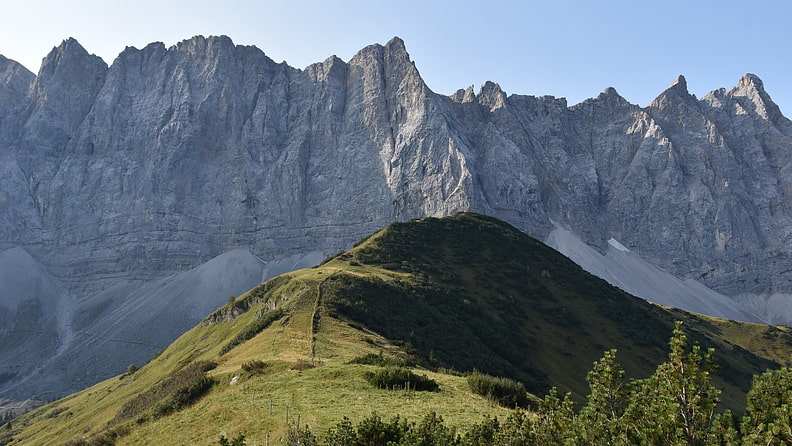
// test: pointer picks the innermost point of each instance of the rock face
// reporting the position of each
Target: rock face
(114, 178)
(15, 81)
(695, 186)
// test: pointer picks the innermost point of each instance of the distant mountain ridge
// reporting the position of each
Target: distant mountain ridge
(115, 177)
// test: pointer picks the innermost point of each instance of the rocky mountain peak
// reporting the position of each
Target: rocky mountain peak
(370, 51)
(68, 53)
(63, 92)
(492, 96)
(751, 87)
(69, 44)
(10, 69)
(609, 103)
(396, 45)
(674, 96)
(398, 58)
(680, 83)
(677, 89)
(750, 80)
(150, 48)
(611, 96)
(15, 81)
(333, 63)
(200, 44)
(464, 95)
(68, 61)
(332, 67)
(394, 55)
(132, 58)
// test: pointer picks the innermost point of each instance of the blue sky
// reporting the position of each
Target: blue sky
(564, 48)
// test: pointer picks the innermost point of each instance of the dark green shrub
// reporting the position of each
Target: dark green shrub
(175, 392)
(130, 370)
(430, 431)
(504, 391)
(374, 431)
(400, 378)
(299, 436)
(378, 360)
(105, 438)
(302, 364)
(55, 412)
(339, 255)
(447, 371)
(254, 366)
(239, 440)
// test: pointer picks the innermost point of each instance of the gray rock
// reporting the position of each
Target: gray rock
(15, 81)
(115, 178)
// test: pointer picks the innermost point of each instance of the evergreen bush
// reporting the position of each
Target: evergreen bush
(398, 378)
(504, 391)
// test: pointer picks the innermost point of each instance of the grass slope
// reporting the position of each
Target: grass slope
(464, 292)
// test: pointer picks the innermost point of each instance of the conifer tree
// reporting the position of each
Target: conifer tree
(601, 421)
(555, 419)
(768, 411)
(676, 405)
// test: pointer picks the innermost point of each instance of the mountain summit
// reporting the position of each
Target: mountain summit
(114, 179)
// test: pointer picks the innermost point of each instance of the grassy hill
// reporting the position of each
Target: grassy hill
(441, 296)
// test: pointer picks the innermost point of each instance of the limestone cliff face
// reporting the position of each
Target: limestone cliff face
(129, 173)
(172, 156)
(698, 187)
(15, 81)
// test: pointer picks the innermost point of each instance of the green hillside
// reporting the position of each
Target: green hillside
(470, 291)
(439, 296)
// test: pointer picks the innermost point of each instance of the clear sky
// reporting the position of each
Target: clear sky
(564, 48)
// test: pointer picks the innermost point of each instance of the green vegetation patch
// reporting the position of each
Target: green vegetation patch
(504, 391)
(470, 292)
(254, 366)
(176, 391)
(106, 438)
(378, 360)
(436, 324)
(399, 378)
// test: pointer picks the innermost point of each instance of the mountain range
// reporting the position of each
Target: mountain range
(137, 197)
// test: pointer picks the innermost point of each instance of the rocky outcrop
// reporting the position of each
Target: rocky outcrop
(15, 81)
(116, 177)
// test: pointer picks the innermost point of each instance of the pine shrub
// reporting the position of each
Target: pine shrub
(504, 391)
(398, 378)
